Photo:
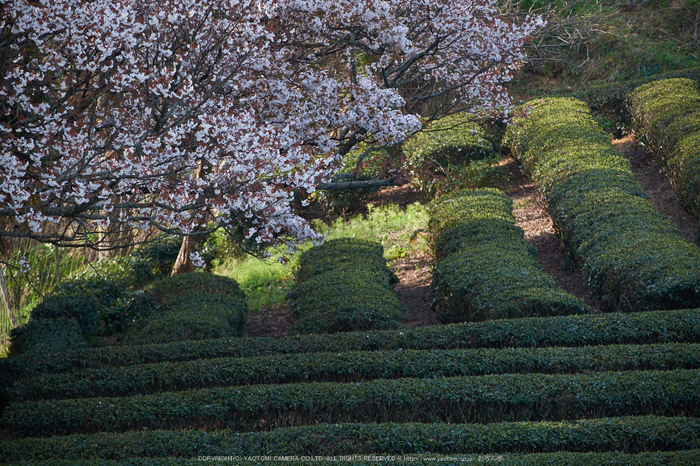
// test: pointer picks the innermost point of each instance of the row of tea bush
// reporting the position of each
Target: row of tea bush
(633, 258)
(344, 285)
(483, 399)
(666, 115)
(485, 269)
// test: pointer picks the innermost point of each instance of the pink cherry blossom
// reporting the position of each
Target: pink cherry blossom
(133, 114)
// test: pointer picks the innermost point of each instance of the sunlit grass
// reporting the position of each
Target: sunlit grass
(266, 283)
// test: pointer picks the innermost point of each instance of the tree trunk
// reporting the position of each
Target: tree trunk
(183, 263)
(6, 298)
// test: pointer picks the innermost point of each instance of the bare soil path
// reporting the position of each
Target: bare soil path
(658, 187)
(531, 215)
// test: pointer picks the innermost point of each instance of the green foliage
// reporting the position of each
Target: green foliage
(267, 283)
(125, 272)
(192, 306)
(623, 434)
(34, 342)
(390, 225)
(589, 42)
(343, 301)
(341, 202)
(666, 114)
(344, 285)
(352, 366)
(671, 458)
(609, 100)
(633, 258)
(47, 336)
(578, 330)
(26, 289)
(685, 168)
(485, 270)
(469, 217)
(484, 399)
(84, 308)
(342, 253)
(105, 294)
(160, 254)
(451, 140)
(440, 158)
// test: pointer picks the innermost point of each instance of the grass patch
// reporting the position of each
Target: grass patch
(588, 42)
(400, 231)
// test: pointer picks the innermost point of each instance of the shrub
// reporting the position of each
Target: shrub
(343, 253)
(488, 398)
(344, 285)
(469, 217)
(44, 337)
(623, 434)
(434, 156)
(160, 254)
(633, 258)
(666, 114)
(345, 300)
(192, 307)
(671, 458)
(34, 343)
(685, 166)
(341, 202)
(352, 366)
(485, 270)
(84, 308)
(578, 330)
(124, 271)
(609, 100)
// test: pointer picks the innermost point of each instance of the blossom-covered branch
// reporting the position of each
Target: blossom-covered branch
(121, 114)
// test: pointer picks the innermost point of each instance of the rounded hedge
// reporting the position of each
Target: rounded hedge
(345, 300)
(192, 306)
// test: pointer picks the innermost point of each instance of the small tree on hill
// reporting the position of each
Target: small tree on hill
(188, 115)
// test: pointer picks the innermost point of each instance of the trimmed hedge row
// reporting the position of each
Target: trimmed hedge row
(451, 140)
(609, 99)
(667, 114)
(633, 258)
(633, 328)
(193, 306)
(490, 398)
(447, 144)
(667, 458)
(352, 366)
(484, 269)
(102, 296)
(624, 434)
(41, 338)
(344, 285)
(37, 341)
(343, 253)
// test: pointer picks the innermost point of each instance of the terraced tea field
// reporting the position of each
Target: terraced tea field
(519, 373)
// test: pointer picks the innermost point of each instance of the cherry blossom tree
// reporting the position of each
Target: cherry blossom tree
(188, 115)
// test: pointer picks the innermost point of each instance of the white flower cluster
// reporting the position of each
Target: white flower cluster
(162, 113)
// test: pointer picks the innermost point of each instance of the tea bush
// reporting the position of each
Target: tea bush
(640, 434)
(681, 326)
(192, 306)
(485, 269)
(484, 399)
(632, 257)
(666, 114)
(344, 285)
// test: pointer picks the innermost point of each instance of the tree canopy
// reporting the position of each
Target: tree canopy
(127, 114)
